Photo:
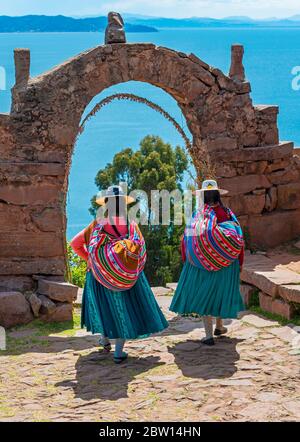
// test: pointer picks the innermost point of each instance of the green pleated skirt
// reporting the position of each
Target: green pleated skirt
(209, 293)
(131, 314)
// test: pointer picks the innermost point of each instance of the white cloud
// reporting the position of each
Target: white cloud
(167, 8)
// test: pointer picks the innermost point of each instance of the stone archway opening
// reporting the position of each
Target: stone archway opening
(96, 144)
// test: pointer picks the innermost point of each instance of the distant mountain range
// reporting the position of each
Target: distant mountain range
(60, 23)
(134, 23)
(196, 22)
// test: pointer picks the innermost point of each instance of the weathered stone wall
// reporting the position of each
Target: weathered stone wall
(37, 139)
(264, 185)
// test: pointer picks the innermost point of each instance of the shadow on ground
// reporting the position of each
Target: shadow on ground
(97, 377)
(196, 360)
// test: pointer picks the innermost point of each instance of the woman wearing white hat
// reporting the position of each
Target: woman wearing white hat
(213, 251)
(117, 300)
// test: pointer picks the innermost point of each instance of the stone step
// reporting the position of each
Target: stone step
(271, 278)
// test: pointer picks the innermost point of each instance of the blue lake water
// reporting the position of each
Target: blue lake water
(270, 55)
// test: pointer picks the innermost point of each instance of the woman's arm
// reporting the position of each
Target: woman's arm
(79, 246)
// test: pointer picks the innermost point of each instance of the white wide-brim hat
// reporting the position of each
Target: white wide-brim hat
(113, 192)
(211, 185)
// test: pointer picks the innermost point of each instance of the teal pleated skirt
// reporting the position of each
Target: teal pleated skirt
(209, 293)
(131, 314)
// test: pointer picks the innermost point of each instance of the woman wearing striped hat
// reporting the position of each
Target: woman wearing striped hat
(117, 300)
(213, 251)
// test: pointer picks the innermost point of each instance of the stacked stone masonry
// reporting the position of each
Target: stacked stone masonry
(277, 286)
(38, 136)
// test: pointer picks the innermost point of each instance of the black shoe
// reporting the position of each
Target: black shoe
(209, 341)
(220, 332)
(120, 359)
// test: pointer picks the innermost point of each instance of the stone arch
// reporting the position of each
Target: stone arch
(37, 138)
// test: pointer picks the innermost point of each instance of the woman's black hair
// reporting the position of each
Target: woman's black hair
(116, 212)
(212, 197)
(116, 199)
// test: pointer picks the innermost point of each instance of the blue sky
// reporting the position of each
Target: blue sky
(166, 8)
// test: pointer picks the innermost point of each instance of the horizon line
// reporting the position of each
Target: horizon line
(145, 17)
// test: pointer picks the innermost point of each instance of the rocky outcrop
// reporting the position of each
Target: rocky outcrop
(14, 309)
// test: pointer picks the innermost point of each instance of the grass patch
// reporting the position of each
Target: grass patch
(254, 300)
(42, 328)
(16, 346)
(274, 317)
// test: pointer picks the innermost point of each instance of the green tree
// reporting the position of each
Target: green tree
(155, 165)
(77, 267)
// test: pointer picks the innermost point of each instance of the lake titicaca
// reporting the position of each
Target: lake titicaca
(270, 56)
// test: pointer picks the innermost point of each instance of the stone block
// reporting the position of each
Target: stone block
(226, 170)
(265, 302)
(247, 292)
(279, 164)
(31, 266)
(279, 307)
(272, 229)
(32, 194)
(49, 220)
(47, 306)
(276, 306)
(289, 196)
(249, 139)
(35, 304)
(16, 283)
(247, 204)
(290, 293)
(32, 169)
(14, 309)
(57, 291)
(197, 60)
(221, 144)
(289, 175)
(62, 313)
(22, 66)
(13, 217)
(268, 153)
(254, 167)
(271, 199)
(270, 136)
(244, 184)
(31, 244)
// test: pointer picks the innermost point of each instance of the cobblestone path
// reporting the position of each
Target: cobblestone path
(250, 375)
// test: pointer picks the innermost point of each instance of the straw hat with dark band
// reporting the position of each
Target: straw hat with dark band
(211, 185)
(113, 192)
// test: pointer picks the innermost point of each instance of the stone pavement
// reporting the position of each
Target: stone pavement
(250, 375)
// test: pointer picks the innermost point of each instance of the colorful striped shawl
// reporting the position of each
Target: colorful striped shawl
(212, 246)
(116, 263)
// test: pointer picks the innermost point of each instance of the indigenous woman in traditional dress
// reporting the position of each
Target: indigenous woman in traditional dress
(213, 251)
(114, 250)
